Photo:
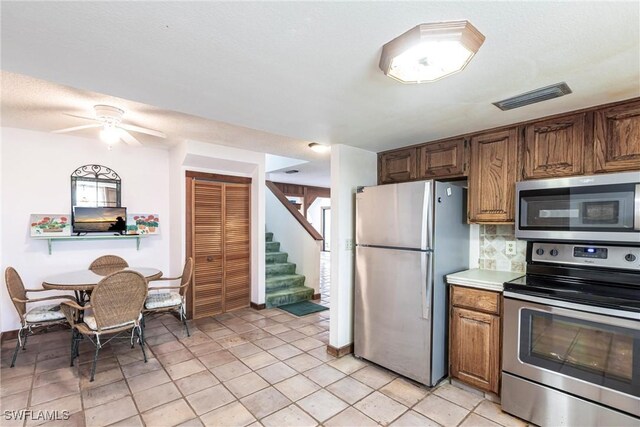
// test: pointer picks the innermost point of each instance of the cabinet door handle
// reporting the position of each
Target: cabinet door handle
(209, 258)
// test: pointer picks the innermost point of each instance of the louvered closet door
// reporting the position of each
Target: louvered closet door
(237, 250)
(207, 238)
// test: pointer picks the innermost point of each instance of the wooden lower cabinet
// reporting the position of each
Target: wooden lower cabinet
(474, 344)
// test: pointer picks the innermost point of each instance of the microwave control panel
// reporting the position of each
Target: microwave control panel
(623, 257)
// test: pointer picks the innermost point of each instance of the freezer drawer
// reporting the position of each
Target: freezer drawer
(395, 215)
(392, 324)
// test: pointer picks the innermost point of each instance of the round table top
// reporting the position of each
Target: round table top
(88, 279)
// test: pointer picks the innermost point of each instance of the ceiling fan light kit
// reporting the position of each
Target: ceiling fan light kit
(429, 52)
(109, 118)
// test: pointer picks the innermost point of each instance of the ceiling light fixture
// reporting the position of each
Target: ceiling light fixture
(429, 52)
(319, 148)
(110, 134)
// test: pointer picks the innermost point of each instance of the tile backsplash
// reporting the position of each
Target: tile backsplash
(492, 249)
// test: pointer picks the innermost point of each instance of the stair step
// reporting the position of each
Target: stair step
(288, 296)
(284, 281)
(273, 246)
(268, 236)
(280, 268)
(276, 257)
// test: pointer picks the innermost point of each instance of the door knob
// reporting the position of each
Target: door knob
(209, 258)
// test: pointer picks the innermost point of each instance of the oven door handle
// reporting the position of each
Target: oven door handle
(573, 306)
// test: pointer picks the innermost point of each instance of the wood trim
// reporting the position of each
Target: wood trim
(316, 296)
(296, 214)
(218, 177)
(341, 351)
(190, 200)
(308, 193)
(256, 306)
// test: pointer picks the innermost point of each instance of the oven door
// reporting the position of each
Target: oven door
(590, 355)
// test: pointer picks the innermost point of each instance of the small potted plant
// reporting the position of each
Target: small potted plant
(152, 223)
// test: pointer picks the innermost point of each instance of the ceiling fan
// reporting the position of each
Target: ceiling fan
(110, 120)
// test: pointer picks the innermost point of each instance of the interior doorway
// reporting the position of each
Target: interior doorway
(326, 229)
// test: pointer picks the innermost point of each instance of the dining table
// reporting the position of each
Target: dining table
(82, 282)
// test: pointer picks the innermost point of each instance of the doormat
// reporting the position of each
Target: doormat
(303, 308)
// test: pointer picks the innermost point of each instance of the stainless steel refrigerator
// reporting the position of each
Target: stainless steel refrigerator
(408, 237)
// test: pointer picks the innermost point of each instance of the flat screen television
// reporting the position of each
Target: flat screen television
(99, 220)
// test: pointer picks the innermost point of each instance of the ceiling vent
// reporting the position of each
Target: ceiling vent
(538, 95)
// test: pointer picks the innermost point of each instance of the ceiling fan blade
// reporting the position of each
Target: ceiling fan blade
(142, 130)
(128, 138)
(75, 128)
(81, 117)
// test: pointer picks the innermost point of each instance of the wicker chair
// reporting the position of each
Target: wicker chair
(108, 264)
(40, 316)
(160, 302)
(116, 302)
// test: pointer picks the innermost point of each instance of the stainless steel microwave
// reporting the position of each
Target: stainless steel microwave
(597, 208)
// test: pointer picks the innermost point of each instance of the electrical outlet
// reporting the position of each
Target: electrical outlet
(510, 247)
(348, 244)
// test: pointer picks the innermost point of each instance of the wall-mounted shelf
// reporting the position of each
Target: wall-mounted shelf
(52, 239)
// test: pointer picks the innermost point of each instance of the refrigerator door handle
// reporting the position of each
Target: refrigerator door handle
(427, 219)
(427, 287)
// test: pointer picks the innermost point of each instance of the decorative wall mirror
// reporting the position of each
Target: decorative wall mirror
(95, 186)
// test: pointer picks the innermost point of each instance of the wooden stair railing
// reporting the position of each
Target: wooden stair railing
(291, 208)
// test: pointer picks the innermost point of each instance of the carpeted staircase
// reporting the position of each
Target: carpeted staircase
(284, 286)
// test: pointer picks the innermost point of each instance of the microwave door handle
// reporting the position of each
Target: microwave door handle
(636, 209)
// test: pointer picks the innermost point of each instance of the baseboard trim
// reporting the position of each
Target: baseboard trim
(12, 335)
(9, 335)
(316, 296)
(258, 306)
(341, 351)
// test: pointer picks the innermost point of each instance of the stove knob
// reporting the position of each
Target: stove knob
(554, 252)
(630, 257)
(540, 251)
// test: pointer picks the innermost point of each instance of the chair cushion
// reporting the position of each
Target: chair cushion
(162, 299)
(90, 321)
(44, 313)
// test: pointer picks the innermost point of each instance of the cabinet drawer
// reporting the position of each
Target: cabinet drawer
(475, 299)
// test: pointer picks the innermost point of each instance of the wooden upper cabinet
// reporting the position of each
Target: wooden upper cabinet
(397, 166)
(443, 159)
(554, 148)
(492, 176)
(616, 141)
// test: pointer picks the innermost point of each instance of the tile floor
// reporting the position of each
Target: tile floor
(243, 368)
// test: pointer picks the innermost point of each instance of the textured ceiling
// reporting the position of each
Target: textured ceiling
(308, 70)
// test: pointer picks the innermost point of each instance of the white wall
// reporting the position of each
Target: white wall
(211, 158)
(35, 178)
(350, 168)
(314, 213)
(303, 249)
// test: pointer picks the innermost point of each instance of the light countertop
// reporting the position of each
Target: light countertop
(490, 280)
